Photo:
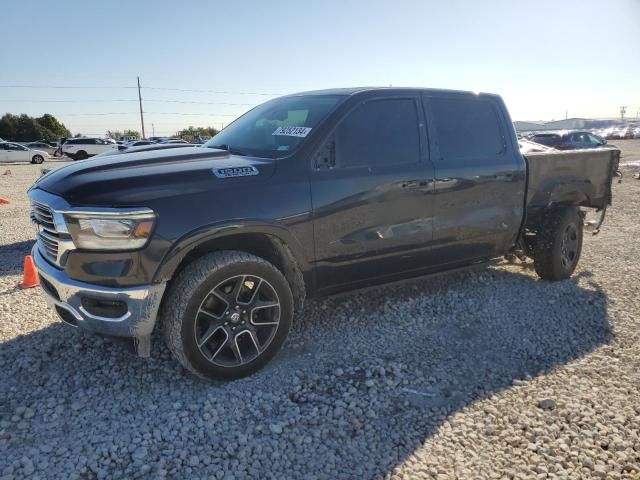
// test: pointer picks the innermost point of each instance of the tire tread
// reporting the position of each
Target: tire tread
(179, 296)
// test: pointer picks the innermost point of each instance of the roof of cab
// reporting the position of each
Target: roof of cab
(354, 90)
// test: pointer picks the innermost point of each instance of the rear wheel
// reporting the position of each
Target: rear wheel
(558, 244)
(227, 314)
(37, 159)
(81, 155)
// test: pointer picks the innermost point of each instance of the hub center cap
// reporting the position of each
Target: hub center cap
(235, 317)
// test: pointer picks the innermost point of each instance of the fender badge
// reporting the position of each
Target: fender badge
(231, 172)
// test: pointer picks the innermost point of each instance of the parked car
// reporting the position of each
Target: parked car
(81, 148)
(527, 146)
(140, 148)
(137, 143)
(45, 147)
(14, 152)
(173, 140)
(627, 133)
(568, 140)
(301, 197)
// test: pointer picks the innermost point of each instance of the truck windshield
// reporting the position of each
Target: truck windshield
(275, 128)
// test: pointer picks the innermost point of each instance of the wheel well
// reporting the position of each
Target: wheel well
(268, 247)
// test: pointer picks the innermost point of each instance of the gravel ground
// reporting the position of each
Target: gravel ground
(490, 373)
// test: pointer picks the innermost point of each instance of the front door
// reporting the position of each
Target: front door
(373, 198)
(16, 153)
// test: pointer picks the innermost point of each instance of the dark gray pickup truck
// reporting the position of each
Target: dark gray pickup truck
(303, 196)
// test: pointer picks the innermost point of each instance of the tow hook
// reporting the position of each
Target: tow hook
(593, 226)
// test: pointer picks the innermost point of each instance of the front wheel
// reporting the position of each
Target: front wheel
(558, 244)
(227, 314)
(37, 159)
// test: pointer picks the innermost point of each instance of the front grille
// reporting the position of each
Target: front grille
(41, 214)
(48, 236)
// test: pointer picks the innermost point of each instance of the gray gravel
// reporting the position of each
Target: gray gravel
(485, 374)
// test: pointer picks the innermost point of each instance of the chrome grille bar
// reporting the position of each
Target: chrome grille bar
(48, 237)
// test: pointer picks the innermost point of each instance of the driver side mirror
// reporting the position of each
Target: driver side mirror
(326, 157)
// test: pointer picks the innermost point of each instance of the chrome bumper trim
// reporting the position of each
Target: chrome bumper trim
(142, 303)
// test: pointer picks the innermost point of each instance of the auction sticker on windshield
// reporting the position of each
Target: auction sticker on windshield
(292, 131)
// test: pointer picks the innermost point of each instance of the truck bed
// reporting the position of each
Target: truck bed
(581, 177)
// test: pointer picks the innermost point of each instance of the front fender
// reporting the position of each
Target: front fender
(207, 233)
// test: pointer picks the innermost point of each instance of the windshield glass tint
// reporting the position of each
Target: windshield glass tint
(276, 128)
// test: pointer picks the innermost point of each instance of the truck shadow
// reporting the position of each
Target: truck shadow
(13, 257)
(371, 375)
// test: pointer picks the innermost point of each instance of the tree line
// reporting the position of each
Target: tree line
(23, 128)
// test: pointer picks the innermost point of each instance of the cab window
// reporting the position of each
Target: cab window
(377, 133)
(467, 129)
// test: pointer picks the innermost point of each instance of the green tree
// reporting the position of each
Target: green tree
(116, 134)
(53, 125)
(23, 128)
(191, 132)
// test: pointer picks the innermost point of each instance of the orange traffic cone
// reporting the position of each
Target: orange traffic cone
(4, 201)
(30, 277)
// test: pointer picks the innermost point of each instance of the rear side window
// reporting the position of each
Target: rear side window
(466, 129)
(548, 140)
(380, 132)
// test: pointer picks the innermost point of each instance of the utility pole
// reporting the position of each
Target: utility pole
(153, 130)
(141, 116)
(623, 110)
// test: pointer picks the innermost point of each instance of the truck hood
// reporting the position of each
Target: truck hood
(129, 179)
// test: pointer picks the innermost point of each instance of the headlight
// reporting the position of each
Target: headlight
(112, 231)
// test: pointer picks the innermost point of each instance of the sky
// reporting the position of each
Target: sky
(203, 63)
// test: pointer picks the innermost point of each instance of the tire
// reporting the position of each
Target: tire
(37, 159)
(558, 244)
(219, 317)
(81, 155)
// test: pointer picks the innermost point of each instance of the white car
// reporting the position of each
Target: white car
(14, 152)
(81, 148)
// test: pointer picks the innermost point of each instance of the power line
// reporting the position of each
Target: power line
(148, 113)
(65, 86)
(104, 100)
(98, 100)
(218, 92)
(168, 89)
(195, 102)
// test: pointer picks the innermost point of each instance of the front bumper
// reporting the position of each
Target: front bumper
(65, 296)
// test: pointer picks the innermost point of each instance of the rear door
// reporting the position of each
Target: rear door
(480, 177)
(372, 193)
(89, 146)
